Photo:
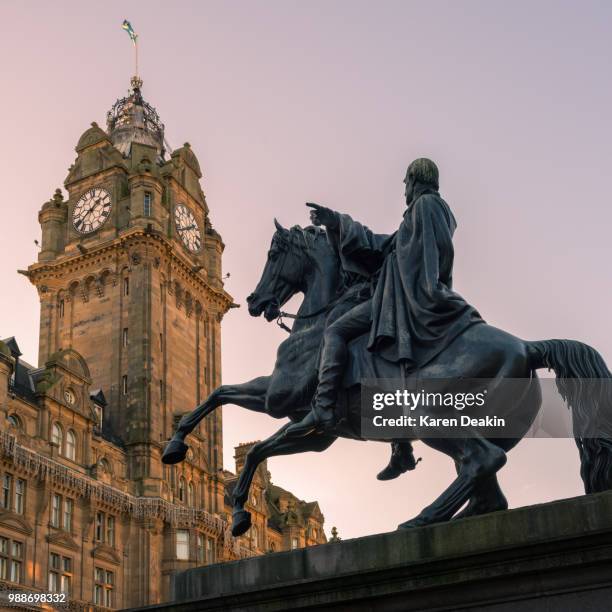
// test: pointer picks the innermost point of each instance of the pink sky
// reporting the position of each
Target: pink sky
(327, 101)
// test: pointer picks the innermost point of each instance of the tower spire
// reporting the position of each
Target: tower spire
(132, 119)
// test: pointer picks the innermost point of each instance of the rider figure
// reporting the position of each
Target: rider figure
(412, 313)
(356, 287)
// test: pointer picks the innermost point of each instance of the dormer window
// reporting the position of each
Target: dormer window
(99, 412)
(98, 402)
(69, 397)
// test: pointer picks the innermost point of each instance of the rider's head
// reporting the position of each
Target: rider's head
(422, 174)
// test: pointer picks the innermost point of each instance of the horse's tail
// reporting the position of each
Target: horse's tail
(583, 380)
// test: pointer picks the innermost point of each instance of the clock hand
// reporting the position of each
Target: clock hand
(90, 210)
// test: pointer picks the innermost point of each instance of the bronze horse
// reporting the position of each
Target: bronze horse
(301, 260)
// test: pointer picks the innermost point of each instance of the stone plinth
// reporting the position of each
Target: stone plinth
(555, 556)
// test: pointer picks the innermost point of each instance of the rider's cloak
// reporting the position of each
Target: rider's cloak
(415, 312)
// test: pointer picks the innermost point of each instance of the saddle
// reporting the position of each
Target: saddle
(362, 363)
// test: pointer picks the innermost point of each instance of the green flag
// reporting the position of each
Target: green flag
(127, 26)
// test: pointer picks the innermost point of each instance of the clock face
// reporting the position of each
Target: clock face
(92, 210)
(187, 228)
(69, 396)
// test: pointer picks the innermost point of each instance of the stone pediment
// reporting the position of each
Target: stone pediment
(191, 160)
(15, 522)
(106, 553)
(189, 157)
(92, 136)
(312, 510)
(63, 539)
(72, 362)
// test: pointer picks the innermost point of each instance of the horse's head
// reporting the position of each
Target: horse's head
(293, 257)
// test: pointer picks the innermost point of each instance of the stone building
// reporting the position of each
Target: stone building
(131, 292)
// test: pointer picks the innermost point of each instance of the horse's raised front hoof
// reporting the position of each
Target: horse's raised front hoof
(241, 522)
(174, 452)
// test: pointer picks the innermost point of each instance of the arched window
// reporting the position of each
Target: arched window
(104, 470)
(190, 495)
(57, 435)
(181, 489)
(14, 420)
(71, 445)
(254, 537)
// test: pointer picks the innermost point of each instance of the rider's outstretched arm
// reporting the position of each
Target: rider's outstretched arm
(360, 249)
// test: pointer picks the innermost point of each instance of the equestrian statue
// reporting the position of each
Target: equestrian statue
(383, 306)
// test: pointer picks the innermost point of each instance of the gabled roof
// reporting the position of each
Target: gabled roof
(97, 396)
(298, 512)
(22, 382)
(13, 346)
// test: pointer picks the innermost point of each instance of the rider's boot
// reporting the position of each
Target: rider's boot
(318, 420)
(322, 417)
(402, 460)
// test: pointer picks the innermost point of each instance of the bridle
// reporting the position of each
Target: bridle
(288, 245)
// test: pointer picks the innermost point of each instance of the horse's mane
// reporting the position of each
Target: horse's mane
(302, 237)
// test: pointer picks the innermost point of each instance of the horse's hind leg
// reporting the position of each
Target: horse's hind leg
(250, 395)
(478, 460)
(275, 445)
(487, 497)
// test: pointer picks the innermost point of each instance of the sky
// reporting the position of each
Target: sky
(328, 101)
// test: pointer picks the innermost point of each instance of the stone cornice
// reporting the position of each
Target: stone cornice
(38, 272)
(16, 522)
(106, 553)
(60, 538)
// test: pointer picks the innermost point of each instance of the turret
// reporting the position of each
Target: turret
(52, 219)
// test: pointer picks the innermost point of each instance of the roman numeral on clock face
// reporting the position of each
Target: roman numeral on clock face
(187, 228)
(92, 210)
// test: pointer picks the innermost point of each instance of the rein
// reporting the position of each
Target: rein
(316, 313)
(296, 317)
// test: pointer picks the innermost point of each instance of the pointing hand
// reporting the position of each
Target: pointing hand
(320, 215)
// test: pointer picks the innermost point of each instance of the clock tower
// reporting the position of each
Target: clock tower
(129, 276)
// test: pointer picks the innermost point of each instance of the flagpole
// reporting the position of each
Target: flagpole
(136, 53)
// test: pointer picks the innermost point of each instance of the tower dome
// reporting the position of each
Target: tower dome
(131, 119)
